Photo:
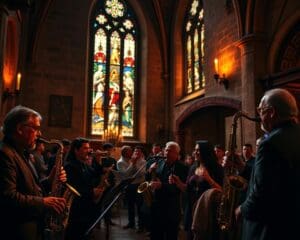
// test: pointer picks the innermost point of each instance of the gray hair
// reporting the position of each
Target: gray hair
(284, 103)
(15, 116)
(173, 144)
(124, 149)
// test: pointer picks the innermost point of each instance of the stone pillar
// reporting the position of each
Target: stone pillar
(252, 68)
(3, 29)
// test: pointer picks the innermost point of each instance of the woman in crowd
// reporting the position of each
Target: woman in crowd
(204, 174)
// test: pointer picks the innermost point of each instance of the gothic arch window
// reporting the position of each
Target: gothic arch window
(194, 47)
(113, 75)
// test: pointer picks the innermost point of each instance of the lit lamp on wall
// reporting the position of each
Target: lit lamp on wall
(220, 79)
(7, 93)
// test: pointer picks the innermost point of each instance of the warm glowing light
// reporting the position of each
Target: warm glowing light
(216, 61)
(19, 75)
(226, 63)
(113, 135)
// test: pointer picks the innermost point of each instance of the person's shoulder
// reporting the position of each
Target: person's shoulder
(71, 165)
(182, 165)
(7, 150)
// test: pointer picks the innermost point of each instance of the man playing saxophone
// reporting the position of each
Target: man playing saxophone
(271, 210)
(23, 204)
(85, 180)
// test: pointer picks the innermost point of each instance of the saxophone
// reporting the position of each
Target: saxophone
(58, 222)
(104, 184)
(233, 184)
(145, 188)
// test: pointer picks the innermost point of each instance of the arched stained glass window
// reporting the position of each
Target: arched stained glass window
(194, 47)
(113, 78)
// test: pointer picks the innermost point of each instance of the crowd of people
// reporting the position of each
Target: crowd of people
(180, 189)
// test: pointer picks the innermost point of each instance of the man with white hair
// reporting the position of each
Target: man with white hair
(271, 210)
(167, 187)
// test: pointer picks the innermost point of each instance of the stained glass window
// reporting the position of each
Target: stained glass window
(194, 47)
(114, 75)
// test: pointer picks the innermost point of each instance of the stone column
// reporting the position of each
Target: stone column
(252, 68)
(3, 29)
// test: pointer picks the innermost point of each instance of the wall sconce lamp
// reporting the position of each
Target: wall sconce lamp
(220, 79)
(7, 93)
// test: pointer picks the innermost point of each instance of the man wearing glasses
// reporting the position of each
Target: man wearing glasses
(271, 210)
(22, 202)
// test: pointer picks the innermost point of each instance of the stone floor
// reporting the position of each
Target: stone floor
(117, 232)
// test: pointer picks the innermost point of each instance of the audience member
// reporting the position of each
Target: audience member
(167, 186)
(38, 160)
(189, 160)
(204, 174)
(108, 161)
(156, 150)
(135, 200)
(220, 153)
(248, 157)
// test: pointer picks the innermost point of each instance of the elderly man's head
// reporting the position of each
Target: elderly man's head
(172, 152)
(23, 126)
(275, 107)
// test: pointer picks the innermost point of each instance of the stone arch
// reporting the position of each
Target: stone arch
(205, 119)
(208, 102)
(279, 38)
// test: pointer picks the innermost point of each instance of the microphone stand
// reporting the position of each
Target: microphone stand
(105, 211)
(117, 192)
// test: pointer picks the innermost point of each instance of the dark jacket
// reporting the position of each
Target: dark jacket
(167, 199)
(271, 210)
(83, 210)
(21, 202)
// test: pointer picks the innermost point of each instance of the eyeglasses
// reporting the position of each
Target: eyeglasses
(261, 110)
(35, 128)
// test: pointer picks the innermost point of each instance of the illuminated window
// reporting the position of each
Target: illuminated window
(194, 47)
(113, 71)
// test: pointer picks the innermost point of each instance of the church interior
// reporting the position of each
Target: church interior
(139, 72)
(147, 71)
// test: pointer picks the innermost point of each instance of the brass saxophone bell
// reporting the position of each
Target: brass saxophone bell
(145, 189)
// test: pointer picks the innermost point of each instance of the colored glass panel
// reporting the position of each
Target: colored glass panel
(114, 8)
(115, 49)
(129, 49)
(114, 70)
(100, 46)
(189, 65)
(194, 7)
(128, 102)
(98, 97)
(194, 42)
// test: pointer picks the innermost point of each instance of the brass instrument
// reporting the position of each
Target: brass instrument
(100, 153)
(56, 222)
(103, 184)
(145, 187)
(232, 183)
